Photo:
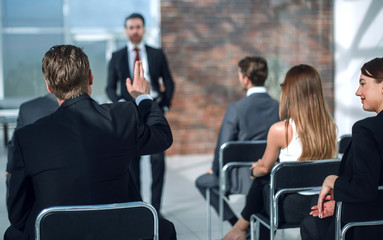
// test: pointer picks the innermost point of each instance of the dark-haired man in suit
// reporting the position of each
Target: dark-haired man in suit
(80, 154)
(246, 119)
(156, 69)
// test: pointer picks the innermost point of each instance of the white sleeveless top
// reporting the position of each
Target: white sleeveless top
(294, 150)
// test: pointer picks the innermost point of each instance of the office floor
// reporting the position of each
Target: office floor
(182, 203)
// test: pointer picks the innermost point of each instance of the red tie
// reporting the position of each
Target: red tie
(136, 49)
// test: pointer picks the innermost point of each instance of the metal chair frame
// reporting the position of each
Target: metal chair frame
(101, 207)
(340, 232)
(275, 194)
(225, 166)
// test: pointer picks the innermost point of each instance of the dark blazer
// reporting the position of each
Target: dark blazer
(31, 111)
(35, 109)
(361, 170)
(247, 119)
(360, 174)
(79, 155)
(118, 71)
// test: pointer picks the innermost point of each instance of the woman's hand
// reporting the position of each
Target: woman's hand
(328, 208)
(326, 193)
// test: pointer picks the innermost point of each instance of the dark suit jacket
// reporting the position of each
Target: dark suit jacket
(118, 71)
(247, 119)
(31, 111)
(80, 155)
(361, 171)
(35, 109)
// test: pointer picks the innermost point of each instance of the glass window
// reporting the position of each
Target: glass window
(22, 63)
(97, 61)
(30, 27)
(32, 13)
(108, 14)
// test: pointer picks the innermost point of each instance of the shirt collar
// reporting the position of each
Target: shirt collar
(71, 101)
(256, 90)
(140, 46)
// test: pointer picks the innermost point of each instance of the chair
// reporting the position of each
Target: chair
(235, 159)
(340, 232)
(342, 143)
(283, 180)
(132, 220)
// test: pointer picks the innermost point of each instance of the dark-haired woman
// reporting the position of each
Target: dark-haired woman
(361, 170)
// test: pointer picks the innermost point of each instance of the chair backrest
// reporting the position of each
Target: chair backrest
(295, 176)
(342, 142)
(234, 161)
(133, 220)
(302, 174)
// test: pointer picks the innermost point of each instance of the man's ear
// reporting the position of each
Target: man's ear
(246, 81)
(46, 84)
(90, 77)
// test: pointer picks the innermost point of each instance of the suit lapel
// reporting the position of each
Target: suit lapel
(149, 55)
(124, 64)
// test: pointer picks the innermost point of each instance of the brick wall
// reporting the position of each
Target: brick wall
(205, 39)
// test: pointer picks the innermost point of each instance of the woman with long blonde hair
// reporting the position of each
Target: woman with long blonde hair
(306, 132)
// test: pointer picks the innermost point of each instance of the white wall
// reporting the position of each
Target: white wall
(358, 31)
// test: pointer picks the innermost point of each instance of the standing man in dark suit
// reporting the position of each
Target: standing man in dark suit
(81, 153)
(246, 119)
(155, 69)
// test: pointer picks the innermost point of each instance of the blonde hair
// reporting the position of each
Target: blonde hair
(302, 100)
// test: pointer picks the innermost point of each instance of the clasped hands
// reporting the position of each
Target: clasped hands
(328, 208)
(140, 85)
(326, 203)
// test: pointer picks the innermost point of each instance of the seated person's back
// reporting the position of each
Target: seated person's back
(80, 154)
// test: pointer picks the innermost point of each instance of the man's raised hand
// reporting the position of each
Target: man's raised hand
(140, 85)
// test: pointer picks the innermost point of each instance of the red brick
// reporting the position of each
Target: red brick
(204, 40)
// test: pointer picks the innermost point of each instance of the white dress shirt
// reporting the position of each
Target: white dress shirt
(144, 60)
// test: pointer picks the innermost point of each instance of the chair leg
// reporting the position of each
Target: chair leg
(252, 237)
(258, 227)
(208, 212)
(220, 213)
(222, 200)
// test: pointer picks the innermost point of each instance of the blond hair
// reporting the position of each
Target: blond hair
(302, 100)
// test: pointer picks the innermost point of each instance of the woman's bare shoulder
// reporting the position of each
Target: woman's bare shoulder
(279, 127)
(277, 133)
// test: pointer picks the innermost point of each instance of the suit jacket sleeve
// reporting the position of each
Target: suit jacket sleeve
(167, 80)
(19, 124)
(360, 183)
(20, 195)
(154, 134)
(228, 132)
(111, 85)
